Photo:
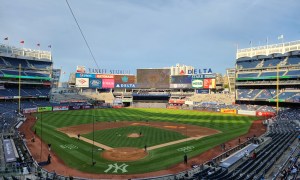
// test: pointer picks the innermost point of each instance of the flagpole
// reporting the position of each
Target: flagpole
(19, 88)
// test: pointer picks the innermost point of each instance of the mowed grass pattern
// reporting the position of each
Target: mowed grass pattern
(118, 137)
(231, 127)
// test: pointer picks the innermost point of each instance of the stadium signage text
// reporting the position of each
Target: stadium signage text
(199, 71)
(108, 71)
(125, 85)
(197, 83)
(204, 76)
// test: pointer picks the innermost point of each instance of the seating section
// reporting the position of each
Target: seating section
(23, 73)
(266, 94)
(271, 73)
(244, 75)
(267, 62)
(14, 62)
(293, 60)
(36, 92)
(271, 62)
(247, 64)
(293, 73)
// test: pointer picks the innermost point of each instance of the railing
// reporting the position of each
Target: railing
(269, 49)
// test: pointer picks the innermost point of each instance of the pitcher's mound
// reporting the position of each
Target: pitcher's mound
(124, 154)
(134, 135)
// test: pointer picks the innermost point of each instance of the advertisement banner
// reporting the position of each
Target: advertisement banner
(44, 109)
(189, 102)
(74, 107)
(197, 83)
(228, 111)
(29, 110)
(206, 83)
(95, 83)
(60, 108)
(248, 113)
(82, 82)
(213, 84)
(87, 107)
(104, 76)
(83, 75)
(124, 79)
(80, 69)
(108, 83)
(265, 114)
(125, 86)
(180, 86)
(127, 100)
(202, 91)
(176, 101)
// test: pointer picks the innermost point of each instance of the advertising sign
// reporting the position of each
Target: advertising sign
(125, 86)
(176, 101)
(44, 109)
(87, 107)
(189, 102)
(127, 100)
(265, 114)
(204, 76)
(206, 83)
(202, 91)
(228, 111)
(124, 79)
(153, 78)
(74, 107)
(180, 86)
(248, 113)
(105, 76)
(181, 79)
(80, 69)
(197, 83)
(82, 82)
(60, 108)
(84, 75)
(108, 83)
(29, 110)
(95, 83)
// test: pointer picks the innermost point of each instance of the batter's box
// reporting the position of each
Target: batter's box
(68, 146)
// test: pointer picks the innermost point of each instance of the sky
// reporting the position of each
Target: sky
(132, 34)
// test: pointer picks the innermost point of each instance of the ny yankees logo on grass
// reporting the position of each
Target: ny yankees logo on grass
(186, 149)
(117, 167)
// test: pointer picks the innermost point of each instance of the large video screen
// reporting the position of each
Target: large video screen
(153, 78)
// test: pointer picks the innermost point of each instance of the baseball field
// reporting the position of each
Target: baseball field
(133, 140)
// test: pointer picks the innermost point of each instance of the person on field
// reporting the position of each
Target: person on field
(185, 159)
(49, 159)
(49, 147)
(78, 136)
(145, 147)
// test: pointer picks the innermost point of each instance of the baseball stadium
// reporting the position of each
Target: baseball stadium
(180, 122)
(164, 123)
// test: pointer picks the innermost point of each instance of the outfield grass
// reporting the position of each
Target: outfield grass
(231, 126)
(118, 137)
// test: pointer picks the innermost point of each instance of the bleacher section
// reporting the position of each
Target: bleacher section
(9, 62)
(266, 94)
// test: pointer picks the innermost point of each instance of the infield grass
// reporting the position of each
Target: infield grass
(118, 137)
(231, 126)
